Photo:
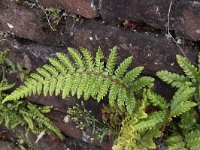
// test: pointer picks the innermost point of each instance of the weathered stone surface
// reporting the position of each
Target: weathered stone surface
(26, 23)
(153, 12)
(187, 20)
(154, 52)
(85, 8)
(184, 16)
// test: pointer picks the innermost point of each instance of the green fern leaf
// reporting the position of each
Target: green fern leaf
(89, 88)
(175, 142)
(76, 83)
(77, 58)
(46, 88)
(131, 75)
(151, 121)
(44, 73)
(67, 86)
(141, 83)
(52, 86)
(157, 100)
(103, 90)
(82, 86)
(59, 86)
(182, 107)
(113, 95)
(174, 79)
(51, 70)
(189, 69)
(66, 61)
(123, 67)
(99, 65)
(121, 97)
(193, 139)
(58, 65)
(111, 61)
(88, 59)
(130, 103)
(180, 103)
(97, 86)
(188, 120)
(87, 78)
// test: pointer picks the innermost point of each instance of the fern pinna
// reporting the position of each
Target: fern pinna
(191, 77)
(87, 77)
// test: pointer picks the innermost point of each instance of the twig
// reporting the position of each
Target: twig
(47, 16)
(169, 36)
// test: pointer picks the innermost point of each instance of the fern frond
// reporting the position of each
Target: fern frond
(141, 83)
(147, 139)
(131, 75)
(88, 59)
(58, 65)
(188, 120)
(51, 70)
(189, 69)
(99, 65)
(89, 88)
(180, 102)
(82, 86)
(113, 95)
(67, 86)
(193, 139)
(103, 90)
(127, 137)
(77, 81)
(77, 58)
(120, 71)
(87, 78)
(157, 100)
(130, 103)
(174, 79)
(110, 66)
(59, 86)
(175, 142)
(66, 61)
(151, 121)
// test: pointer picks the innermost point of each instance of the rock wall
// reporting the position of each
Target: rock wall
(137, 27)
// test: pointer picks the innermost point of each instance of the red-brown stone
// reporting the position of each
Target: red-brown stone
(85, 8)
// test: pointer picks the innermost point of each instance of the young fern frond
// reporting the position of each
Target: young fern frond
(188, 120)
(191, 78)
(150, 122)
(181, 101)
(174, 79)
(111, 63)
(193, 139)
(157, 100)
(88, 78)
(190, 70)
(175, 142)
(189, 140)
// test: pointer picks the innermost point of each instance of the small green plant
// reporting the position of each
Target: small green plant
(84, 120)
(191, 77)
(139, 131)
(21, 112)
